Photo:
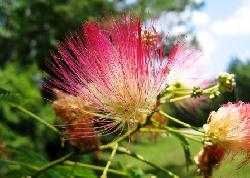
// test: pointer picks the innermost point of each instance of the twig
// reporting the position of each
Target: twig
(178, 121)
(37, 118)
(184, 134)
(180, 98)
(94, 167)
(105, 170)
(123, 150)
(19, 163)
(53, 163)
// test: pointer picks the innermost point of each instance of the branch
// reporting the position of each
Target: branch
(123, 150)
(20, 163)
(94, 167)
(37, 118)
(104, 174)
(178, 121)
(53, 163)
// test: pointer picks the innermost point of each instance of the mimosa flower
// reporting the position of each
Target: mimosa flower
(187, 72)
(114, 74)
(229, 128)
(78, 124)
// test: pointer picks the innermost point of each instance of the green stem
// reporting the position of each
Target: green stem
(37, 118)
(20, 163)
(105, 170)
(53, 163)
(183, 134)
(209, 90)
(94, 167)
(145, 129)
(180, 132)
(123, 150)
(178, 121)
(180, 98)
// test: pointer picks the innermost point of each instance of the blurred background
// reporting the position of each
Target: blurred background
(29, 29)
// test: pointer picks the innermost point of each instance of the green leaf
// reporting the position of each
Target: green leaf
(186, 148)
(7, 96)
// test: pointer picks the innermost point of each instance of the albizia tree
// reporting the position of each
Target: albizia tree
(111, 82)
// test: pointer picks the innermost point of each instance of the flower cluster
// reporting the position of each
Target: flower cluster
(114, 75)
(230, 127)
(227, 131)
(111, 78)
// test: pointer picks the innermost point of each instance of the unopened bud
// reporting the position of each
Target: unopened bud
(208, 158)
(197, 91)
(227, 82)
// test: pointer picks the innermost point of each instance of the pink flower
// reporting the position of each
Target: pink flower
(187, 72)
(79, 125)
(229, 128)
(117, 73)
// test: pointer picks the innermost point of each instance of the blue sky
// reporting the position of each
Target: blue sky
(223, 30)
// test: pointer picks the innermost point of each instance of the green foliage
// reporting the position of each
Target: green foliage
(242, 74)
(156, 7)
(29, 29)
(7, 96)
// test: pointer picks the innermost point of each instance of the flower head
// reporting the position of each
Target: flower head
(115, 74)
(79, 125)
(229, 127)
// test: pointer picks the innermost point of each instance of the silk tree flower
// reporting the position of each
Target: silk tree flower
(229, 128)
(117, 73)
(187, 72)
(78, 123)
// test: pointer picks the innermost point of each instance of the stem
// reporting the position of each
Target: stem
(184, 134)
(104, 174)
(94, 167)
(123, 150)
(37, 118)
(209, 90)
(20, 163)
(180, 98)
(152, 130)
(180, 132)
(53, 163)
(178, 121)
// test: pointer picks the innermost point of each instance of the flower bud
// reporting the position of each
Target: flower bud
(226, 82)
(77, 123)
(208, 158)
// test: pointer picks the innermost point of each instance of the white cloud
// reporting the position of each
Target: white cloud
(207, 41)
(200, 18)
(178, 30)
(236, 24)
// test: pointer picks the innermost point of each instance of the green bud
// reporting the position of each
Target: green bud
(226, 82)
